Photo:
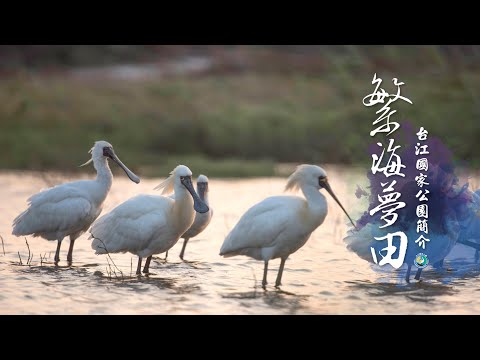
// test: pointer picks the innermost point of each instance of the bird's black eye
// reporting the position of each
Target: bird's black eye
(105, 151)
(182, 178)
(322, 180)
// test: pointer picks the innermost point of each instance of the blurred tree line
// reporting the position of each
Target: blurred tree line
(256, 104)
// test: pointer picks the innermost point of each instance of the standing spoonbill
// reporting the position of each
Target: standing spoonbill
(201, 219)
(280, 225)
(149, 224)
(69, 209)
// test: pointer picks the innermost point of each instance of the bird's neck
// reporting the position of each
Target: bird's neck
(183, 209)
(317, 203)
(104, 174)
(204, 197)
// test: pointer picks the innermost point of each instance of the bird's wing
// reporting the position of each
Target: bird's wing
(56, 214)
(58, 193)
(261, 225)
(131, 225)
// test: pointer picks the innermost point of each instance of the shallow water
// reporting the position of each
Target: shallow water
(323, 277)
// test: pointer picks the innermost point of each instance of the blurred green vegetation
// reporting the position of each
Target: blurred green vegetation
(241, 122)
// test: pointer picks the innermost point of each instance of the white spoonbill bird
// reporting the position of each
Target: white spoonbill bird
(201, 219)
(362, 242)
(69, 209)
(280, 225)
(149, 224)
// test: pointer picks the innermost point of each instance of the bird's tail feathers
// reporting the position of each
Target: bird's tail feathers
(20, 224)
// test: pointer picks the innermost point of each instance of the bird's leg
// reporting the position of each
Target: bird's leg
(70, 251)
(147, 264)
(265, 270)
(139, 266)
(166, 255)
(280, 273)
(407, 276)
(183, 248)
(57, 253)
(417, 275)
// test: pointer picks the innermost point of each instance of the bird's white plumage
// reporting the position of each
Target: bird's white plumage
(131, 227)
(275, 227)
(470, 222)
(146, 224)
(58, 212)
(199, 224)
(280, 225)
(202, 179)
(201, 219)
(67, 209)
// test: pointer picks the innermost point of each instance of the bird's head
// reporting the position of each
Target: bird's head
(202, 186)
(181, 177)
(313, 176)
(103, 149)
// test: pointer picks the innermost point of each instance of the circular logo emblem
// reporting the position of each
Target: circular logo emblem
(421, 261)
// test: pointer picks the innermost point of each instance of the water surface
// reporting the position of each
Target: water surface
(323, 277)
